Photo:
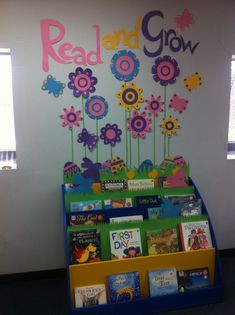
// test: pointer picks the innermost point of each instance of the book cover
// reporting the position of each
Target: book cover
(195, 279)
(130, 218)
(181, 199)
(118, 203)
(90, 295)
(124, 287)
(85, 205)
(151, 201)
(86, 218)
(162, 241)
(191, 208)
(85, 247)
(195, 235)
(163, 282)
(125, 243)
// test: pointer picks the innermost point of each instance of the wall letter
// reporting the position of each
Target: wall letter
(135, 35)
(96, 53)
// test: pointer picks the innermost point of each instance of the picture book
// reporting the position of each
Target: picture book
(85, 205)
(151, 201)
(181, 199)
(114, 185)
(124, 287)
(85, 246)
(90, 295)
(163, 282)
(191, 208)
(162, 241)
(195, 235)
(125, 243)
(189, 280)
(118, 203)
(130, 218)
(155, 213)
(86, 218)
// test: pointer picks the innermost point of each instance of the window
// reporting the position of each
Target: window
(7, 126)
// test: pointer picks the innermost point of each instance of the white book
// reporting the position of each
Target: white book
(130, 218)
(90, 295)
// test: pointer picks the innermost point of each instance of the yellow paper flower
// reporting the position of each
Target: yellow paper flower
(130, 97)
(170, 126)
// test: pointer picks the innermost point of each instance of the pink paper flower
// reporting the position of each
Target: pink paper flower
(139, 124)
(71, 117)
(154, 105)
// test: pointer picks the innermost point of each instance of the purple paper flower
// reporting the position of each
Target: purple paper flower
(96, 107)
(71, 117)
(125, 65)
(110, 134)
(87, 139)
(139, 124)
(82, 83)
(165, 70)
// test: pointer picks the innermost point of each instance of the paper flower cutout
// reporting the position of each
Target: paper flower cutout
(165, 70)
(82, 83)
(53, 86)
(87, 139)
(71, 117)
(96, 107)
(170, 126)
(178, 104)
(110, 134)
(139, 124)
(193, 81)
(130, 97)
(125, 65)
(154, 105)
(184, 20)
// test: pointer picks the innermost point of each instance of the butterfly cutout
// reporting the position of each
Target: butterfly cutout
(87, 139)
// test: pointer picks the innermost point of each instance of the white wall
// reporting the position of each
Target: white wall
(31, 225)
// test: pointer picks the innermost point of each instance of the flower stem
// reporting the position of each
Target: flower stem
(138, 142)
(130, 144)
(97, 148)
(83, 120)
(111, 152)
(126, 138)
(72, 144)
(165, 118)
(169, 138)
(154, 140)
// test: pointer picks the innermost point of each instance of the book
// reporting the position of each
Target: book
(151, 201)
(85, 246)
(124, 287)
(86, 218)
(118, 203)
(191, 208)
(90, 295)
(130, 218)
(181, 199)
(162, 241)
(155, 213)
(195, 279)
(125, 243)
(163, 282)
(195, 235)
(85, 205)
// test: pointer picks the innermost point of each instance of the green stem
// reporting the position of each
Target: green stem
(169, 145)
(154, 140)
(126, 138)
(83, 121)
(130, 144)
(72, 144)
(165, 118)
(111, 152)
(97, 146)
(138, 141)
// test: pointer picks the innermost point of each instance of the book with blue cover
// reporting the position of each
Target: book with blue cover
(124, 287)
(163, 282)
(193, 279)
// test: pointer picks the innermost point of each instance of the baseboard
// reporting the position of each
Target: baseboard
(34, 275)
(227, 252)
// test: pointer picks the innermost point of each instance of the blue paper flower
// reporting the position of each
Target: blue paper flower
(125, 65)
(96, 107)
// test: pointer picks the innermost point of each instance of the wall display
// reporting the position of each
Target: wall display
(53, 86)
(184, 20)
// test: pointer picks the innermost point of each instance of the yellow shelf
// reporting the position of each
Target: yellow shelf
(95, 273)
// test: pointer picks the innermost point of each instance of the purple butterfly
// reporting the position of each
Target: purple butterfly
(87, 139)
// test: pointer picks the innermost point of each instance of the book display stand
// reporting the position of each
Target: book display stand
(97, 272)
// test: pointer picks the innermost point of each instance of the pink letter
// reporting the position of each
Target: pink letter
(47, 43)
(96, 53)
(62, 49)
